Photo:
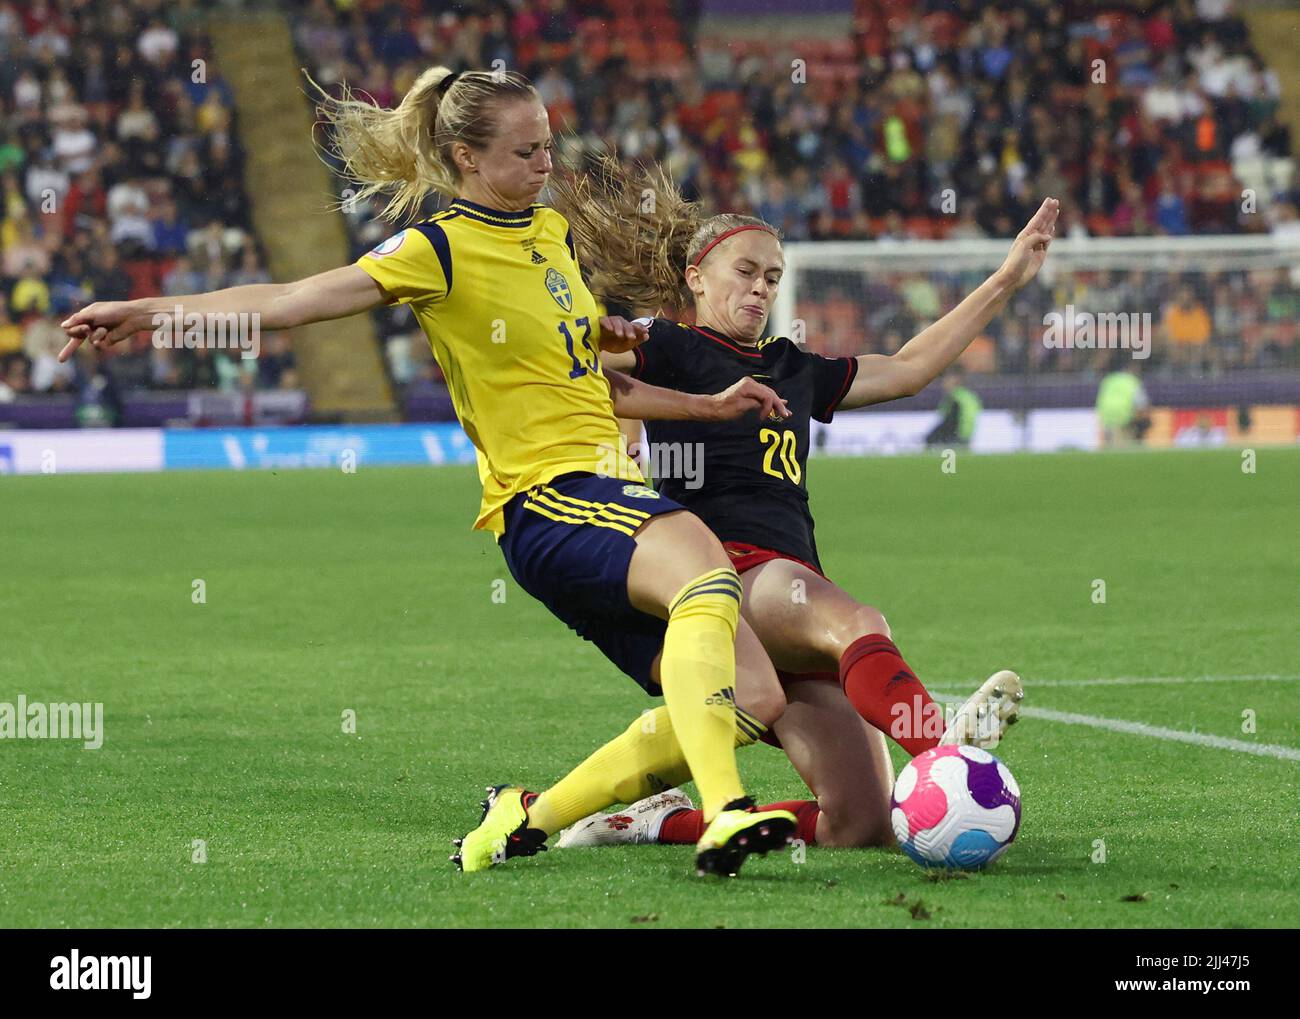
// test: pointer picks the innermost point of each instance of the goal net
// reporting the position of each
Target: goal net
(1209, 325)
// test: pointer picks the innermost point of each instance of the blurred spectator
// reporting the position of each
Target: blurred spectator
(108, 279)
(42, 341)
(182, 278)
(1122, 404)
(276, 365)
(959, 412)
(11, 334)
(168, 232)
(1187, 327)
(1169, 209)
(1286, 223)
(14, 381)
(74, 144)
(128, 215)
(250, 269)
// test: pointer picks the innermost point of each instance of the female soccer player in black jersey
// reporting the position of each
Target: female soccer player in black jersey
(754, 495)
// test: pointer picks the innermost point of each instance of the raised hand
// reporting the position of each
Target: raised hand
(1030, 247)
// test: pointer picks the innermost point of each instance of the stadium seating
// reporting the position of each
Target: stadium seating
(1146, 124)
(122, 178)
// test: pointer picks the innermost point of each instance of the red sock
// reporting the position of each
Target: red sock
(888, 695)
(686, 826)
(805, 812)
(682, 827)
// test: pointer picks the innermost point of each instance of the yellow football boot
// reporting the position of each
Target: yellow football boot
(502, 833)
(737, 831)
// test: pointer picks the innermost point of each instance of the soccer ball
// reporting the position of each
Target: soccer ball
(955, 807)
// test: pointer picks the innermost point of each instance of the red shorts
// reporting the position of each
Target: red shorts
(746, 557)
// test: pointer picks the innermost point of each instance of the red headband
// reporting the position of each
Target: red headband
(724, 235)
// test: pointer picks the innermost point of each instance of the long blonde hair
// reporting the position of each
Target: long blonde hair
(405, 152)
(635, 234)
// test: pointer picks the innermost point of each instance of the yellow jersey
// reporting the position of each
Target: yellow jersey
(516, 333)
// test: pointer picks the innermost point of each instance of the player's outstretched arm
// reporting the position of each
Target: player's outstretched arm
(926, 355)
(336, 293)
(640, 400)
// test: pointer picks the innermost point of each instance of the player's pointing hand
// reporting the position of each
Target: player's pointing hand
(103, 324)
(747, 395)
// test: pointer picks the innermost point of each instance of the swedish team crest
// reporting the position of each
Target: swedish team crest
(559, 288)
(640, 492)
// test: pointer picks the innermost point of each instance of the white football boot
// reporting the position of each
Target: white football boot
(638, 824)
(982, 721)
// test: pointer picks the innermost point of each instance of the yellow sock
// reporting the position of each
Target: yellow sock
(644, 759)
(697, 671)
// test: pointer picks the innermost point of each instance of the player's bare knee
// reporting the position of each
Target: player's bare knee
(873, 831)
(839, 833)
(859, 621)
(852, 824)
(700, 549)
(854, 833)
(871, 620)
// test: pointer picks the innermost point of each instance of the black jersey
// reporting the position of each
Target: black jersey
(753, 483)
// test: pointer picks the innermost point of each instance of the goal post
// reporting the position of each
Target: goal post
(1211, 325)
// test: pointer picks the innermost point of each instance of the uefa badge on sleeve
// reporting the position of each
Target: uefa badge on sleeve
(387, 247)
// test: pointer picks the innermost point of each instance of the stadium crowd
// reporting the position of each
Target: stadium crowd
(120, 177)
(1135, 120)
(939, 118)
(120, 170)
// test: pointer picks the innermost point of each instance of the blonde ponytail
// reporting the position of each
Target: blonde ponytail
(405, 152)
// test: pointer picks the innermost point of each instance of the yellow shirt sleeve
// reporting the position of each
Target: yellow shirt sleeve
(413, 265)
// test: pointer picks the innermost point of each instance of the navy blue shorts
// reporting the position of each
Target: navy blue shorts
(569, 543)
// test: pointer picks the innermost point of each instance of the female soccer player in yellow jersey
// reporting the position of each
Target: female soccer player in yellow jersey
(836, 655)
(495, 285)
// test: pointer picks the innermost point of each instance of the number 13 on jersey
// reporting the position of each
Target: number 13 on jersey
(579, 369)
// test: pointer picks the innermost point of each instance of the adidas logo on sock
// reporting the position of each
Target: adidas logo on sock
(726, 697)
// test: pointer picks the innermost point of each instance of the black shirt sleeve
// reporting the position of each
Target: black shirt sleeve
(657, 358)
(832, 377)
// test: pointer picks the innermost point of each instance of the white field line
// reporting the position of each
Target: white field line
(1164, 680)
(1198, 739)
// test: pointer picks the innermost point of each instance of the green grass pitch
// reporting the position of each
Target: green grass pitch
(328, 592)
